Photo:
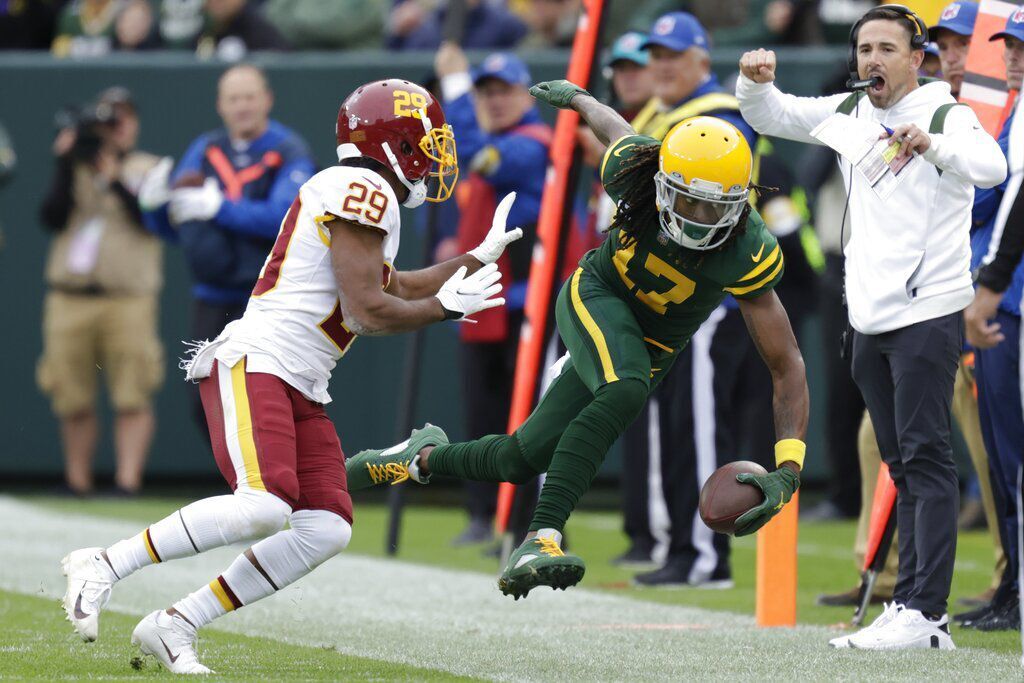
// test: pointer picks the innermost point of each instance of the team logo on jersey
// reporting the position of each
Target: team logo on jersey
(950, 12)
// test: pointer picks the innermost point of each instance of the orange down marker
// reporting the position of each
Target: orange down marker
(776, 568)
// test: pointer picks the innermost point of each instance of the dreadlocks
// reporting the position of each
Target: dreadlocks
(637, 212)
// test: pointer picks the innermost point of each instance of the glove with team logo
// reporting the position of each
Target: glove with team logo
(155, 191)
(778, 488)
(557, 93)
(462, 296)
(196, 203)
(497, 239)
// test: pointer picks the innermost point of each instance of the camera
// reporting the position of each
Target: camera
(90, 123)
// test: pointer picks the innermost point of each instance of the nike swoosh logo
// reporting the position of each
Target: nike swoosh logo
(618, 153)
(757, 257)
(172, 657)
(79, 614)
(374, 184)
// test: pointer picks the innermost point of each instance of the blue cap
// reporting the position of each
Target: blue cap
(931, 49)
(957, 17)
(1014, 26)
(629, 48)
(505, 67)
(677, 31)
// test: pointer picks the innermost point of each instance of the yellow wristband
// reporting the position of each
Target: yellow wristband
(792, 450)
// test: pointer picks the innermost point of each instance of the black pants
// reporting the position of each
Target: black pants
(844, 405)
(906, 377)
(208, 320)
(715, 406)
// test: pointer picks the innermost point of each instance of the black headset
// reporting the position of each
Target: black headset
(917, 42)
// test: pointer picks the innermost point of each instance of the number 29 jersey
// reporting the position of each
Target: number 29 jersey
(293, 326)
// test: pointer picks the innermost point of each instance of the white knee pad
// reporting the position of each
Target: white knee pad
(319, 535)
(255, 514)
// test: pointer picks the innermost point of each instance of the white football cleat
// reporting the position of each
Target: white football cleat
(910, 629)
(88, 591)
(889, 613)
(170, 639)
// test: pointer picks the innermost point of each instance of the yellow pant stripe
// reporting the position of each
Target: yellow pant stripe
(222, 597)
(244, 426)
(760, 283)
(592, 329)
(761, 267)
(149, 547)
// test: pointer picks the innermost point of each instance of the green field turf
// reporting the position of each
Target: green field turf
(31, 628)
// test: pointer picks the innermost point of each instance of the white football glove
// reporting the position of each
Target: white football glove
(155, 191)
(497, 239)
(462, 296)
(196, 203)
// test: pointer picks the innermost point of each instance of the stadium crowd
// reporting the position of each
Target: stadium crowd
(229, 29)
(228, 192)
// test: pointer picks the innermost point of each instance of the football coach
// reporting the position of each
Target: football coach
(907, 283)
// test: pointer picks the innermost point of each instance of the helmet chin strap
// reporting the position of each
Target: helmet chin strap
(417, 190)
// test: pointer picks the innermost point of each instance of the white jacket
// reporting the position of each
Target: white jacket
(908, 258)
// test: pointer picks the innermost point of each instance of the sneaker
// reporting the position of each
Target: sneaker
(396, 464)
(90, 579)
(888, 615)
(969, 619)
(1003, 617)
(636, 558)
(672, 575)
(170, 639)
(540, 561)
(910, 629)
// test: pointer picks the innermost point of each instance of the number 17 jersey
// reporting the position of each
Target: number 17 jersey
(672, 290)
(293, 325)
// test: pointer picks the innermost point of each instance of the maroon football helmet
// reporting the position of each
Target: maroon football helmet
(402, 126)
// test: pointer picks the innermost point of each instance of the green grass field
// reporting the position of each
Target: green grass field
(35, 641)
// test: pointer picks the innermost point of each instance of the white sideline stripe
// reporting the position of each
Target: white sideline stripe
(458, 622)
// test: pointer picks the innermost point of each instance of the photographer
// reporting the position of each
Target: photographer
(907, 283)
(104, 274)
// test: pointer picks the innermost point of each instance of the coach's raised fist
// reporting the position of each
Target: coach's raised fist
(758, 65)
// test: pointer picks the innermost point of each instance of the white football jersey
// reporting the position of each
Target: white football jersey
(293, 326)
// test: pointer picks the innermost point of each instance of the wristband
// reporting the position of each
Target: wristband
(790, 450)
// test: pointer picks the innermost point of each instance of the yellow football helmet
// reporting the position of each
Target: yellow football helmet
(703, 181)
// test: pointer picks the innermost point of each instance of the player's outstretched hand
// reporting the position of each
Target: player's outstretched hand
(557, 93)
(155, 190)
(195, 203)
(778, 488)
(497, 239)
(758, 65)
(462, 296)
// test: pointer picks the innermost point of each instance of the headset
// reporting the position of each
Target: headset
(917, 42)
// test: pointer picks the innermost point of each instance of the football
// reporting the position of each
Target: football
(723, 499)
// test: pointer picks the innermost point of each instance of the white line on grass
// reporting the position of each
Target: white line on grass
(457, 621)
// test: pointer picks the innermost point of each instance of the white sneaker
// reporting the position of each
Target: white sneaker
(889, 612)
(910, 629)
(88, 591)
(170, 639)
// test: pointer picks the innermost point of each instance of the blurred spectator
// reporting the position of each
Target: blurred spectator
(28, 24)
(774, 22)
(235, 28)
(552, 23)
(931, 67)
(134, 29)
(412, 25)
(181, 22)
(85, 28)
(503, 143)
(226, 199)
(837, 17)
(104, 272)
(318, 25)
(952, 36)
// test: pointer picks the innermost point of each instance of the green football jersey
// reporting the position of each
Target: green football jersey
(670, 289)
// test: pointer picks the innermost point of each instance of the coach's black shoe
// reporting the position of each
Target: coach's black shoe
(678, 575)
(636, 558)
(970, 618)
(1005, 617)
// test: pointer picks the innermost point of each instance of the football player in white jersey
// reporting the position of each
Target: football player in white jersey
(329, 278)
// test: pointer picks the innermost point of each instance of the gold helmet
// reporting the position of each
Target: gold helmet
(703, 181)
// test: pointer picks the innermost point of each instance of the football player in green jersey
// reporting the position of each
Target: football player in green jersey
(684, 236)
